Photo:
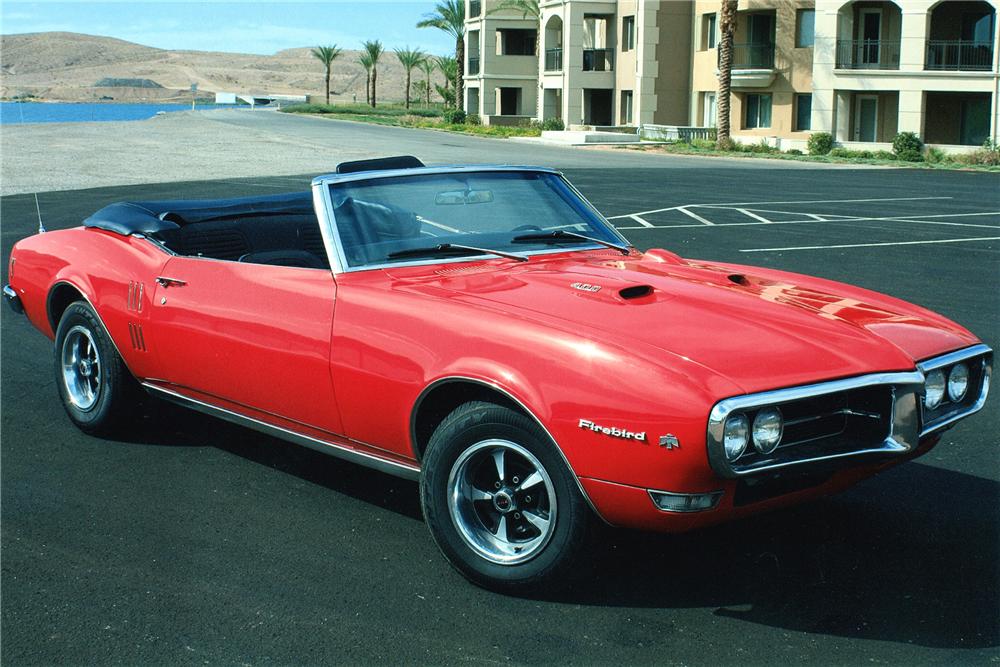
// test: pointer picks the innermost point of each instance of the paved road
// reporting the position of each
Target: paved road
(179, 146)
(197, 541)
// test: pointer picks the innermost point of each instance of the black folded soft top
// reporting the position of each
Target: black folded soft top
(152, 217)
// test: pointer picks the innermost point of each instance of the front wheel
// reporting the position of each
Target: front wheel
(499, 500)
(96, 388)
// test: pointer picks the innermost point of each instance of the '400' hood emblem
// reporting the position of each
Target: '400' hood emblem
(586, 287)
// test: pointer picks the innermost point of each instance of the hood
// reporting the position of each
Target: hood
(761, 329)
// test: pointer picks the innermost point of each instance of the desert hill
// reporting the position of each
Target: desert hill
(66, 66)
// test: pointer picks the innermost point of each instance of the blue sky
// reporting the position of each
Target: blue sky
(243, 27)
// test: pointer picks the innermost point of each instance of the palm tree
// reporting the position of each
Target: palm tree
(449, 16)
(410, 58)
(727, 26)
(326, 55)
(374, 51)
(448, 67)
(528, 9)
(365, 60)
(428, 66)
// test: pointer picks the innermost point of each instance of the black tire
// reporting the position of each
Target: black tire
(538, 512)
(95, 387)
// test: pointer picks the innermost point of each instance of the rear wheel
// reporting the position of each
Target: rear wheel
(499, 500)
(96, 388)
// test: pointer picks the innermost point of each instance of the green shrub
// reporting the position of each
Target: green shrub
(935, 156)
(727, 145)
(553, 125)
(793, 151)
(473, 119)
(703, 144)
(885, 155)
(908, 146)
(820, 143)
(454, 116)
(988, 155)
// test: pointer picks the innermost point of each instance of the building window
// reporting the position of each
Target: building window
(708, 31)
(515, 42)
(803, 112)
(626, 108)
(805, 28)
(628, 33)
(758, 111)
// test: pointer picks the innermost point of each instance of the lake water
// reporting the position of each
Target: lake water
(16, 113)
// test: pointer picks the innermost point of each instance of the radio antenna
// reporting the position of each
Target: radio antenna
(41, 227)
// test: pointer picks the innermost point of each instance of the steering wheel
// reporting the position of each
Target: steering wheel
(527, 228)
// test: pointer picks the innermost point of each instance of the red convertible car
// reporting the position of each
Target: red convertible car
(485, 331)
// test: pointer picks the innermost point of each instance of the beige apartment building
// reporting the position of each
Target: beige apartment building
(863, 69)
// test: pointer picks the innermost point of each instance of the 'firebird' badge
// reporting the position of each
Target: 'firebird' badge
(613, 431)
(586, 287)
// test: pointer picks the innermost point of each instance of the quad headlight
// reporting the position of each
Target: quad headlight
(767, 428)
(934, 388)
(958, 382)
(736, 435)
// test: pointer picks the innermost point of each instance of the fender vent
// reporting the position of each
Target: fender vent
(138, 340)
(135, 293)
(739, 279)
(476, 268)
(635, 292)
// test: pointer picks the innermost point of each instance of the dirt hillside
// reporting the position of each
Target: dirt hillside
(65, 66)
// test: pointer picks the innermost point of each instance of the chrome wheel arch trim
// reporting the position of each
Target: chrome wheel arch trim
(394, 468)
(97, 314)
(518, 402)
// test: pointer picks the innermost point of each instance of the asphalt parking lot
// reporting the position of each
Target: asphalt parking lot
(195, 541)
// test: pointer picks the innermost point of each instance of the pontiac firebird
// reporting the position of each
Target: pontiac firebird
(484, 330)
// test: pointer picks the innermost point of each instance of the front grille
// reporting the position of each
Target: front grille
(866, 415)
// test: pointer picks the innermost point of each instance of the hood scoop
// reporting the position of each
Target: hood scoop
(739, 279)
(635, 292)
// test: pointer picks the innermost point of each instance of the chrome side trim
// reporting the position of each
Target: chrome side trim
(394, 468)
(986, 370)
(516, 401)
(896, 443)
(953, 357)
(13, 300)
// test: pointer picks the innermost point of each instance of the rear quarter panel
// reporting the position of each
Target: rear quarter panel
(98, 264)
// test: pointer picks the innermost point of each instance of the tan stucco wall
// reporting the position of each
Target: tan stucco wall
(673, 59)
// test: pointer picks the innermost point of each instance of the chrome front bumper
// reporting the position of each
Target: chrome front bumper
(12, 299)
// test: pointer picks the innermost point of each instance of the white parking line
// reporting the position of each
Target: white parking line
(694, 215)
(751, 214)
(641, 221)
(870, 245)
(754, 203)
(814, 219)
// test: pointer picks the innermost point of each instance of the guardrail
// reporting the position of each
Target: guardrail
(753, 56)
(553, 60)
(598, 60)
(651, 132)
(867, 54)
(959, 55)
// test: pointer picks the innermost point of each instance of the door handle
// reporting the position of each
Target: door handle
(170, 282)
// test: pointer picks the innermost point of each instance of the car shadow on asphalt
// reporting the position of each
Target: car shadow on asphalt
(909, 556)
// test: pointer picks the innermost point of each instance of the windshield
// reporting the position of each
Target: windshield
(433, 216)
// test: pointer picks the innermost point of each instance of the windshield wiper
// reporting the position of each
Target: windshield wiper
(452, 248)
(561, 235)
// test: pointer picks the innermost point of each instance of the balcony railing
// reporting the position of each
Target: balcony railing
(553, 60)
(752, 56)
(473, 65)
(959, 55)
(475, 8)
(867, 54)
(598, 60)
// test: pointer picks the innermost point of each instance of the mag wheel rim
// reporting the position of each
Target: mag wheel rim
(81, 368)
(502, 501)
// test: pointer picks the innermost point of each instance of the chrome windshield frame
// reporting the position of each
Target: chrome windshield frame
(323, 203)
